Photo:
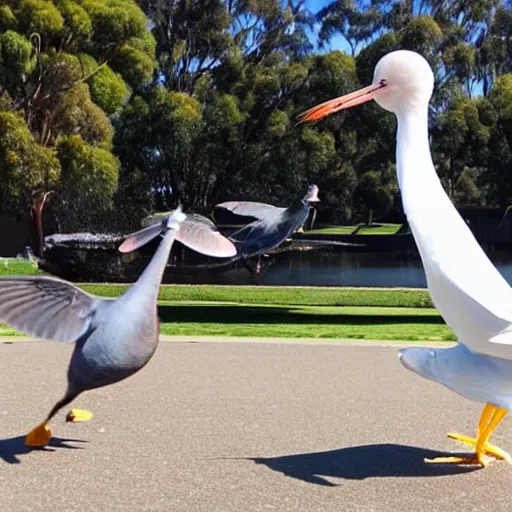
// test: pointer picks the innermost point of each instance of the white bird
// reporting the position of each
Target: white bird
(469, 292)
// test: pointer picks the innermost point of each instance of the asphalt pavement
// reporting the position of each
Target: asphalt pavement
(282, 426)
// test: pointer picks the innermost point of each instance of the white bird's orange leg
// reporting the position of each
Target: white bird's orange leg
(489, 420)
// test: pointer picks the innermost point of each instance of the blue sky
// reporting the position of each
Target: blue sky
(337, 42)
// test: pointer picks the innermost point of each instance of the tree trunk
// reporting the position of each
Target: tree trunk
(36, 213)
(370, 218)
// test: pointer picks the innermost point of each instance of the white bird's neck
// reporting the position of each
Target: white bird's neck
(422, 192)
(414, 162)
(465, 287)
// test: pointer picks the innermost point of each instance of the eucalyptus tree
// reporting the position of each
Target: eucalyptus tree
(358, 22)
(65, 67)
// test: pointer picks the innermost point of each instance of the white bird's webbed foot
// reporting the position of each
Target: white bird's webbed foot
(489, 449)
(489, 420)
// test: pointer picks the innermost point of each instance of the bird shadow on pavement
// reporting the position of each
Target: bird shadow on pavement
(12, 447)
(360, 462)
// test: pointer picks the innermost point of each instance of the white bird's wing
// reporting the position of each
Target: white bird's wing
(201, 235)
(46, 307)
(260, 211)
(479, 304)
(466, 288)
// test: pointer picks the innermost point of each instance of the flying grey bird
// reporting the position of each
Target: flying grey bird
(114, 338)
(273, 225)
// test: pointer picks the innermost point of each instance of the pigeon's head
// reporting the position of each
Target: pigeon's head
(312, 194)
(174, 220)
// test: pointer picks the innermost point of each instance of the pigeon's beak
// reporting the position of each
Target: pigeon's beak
(348, 100)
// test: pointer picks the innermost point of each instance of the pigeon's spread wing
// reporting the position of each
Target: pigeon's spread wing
(195, 218)
(200, 234)
(142, 237)
(260, 211)
(46, 307)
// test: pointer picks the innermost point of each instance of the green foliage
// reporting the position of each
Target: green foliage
(17, 54)
(77, 22)
(461, 136)
(41, 17)
(88, 181)
(7, 18)
(460, 59)
(115, 21)
(135, 65)
(107, 89)
(76, 113)
(501, 96)
(355, 23)
(205, 97)
(25, 166)
(421, 35)
(58, 86)
(367, 59)
(375, 193)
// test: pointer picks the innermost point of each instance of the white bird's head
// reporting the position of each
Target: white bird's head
(402, 80)
(408, 81)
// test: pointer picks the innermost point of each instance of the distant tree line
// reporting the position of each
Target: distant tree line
(111, 110)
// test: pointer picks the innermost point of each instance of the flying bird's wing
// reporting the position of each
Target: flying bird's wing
(140, 238)
(264, 235)
(201, 235)
(260, 211)
(46, 307)
(196, 232)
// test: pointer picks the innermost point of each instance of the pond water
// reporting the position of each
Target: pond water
(327, 268)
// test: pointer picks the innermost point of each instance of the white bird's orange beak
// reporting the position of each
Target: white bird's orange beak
(348, 100)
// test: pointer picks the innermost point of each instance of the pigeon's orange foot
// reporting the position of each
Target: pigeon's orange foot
(476, 459)
(76, 415)
(38, 437)
(488, 449)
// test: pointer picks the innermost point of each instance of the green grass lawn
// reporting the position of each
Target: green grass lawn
(302, 312)
(276, 295)
(377, 229)
(382, 229)
(304, 322)
(263, 320)
(17, 267)
(331, 230)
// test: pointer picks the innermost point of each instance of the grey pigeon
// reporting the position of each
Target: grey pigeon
(114, 338)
